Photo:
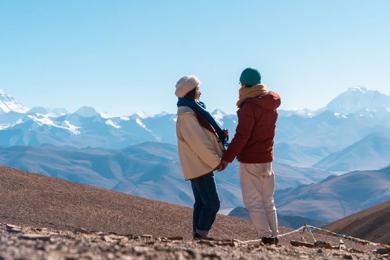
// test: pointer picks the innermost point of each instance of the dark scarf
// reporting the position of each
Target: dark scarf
(200, 108)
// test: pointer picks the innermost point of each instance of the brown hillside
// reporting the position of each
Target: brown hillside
(372, 224)
(36, 200)
(72, 221)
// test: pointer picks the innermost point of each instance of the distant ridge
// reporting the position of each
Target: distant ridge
(371, 224)
(336, 196)
(286, 221)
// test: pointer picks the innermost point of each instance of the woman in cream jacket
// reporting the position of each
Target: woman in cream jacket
(200, 145)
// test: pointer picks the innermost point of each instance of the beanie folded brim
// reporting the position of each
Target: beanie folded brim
(185, 85)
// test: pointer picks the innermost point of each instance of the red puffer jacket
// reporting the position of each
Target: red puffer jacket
(254, 138)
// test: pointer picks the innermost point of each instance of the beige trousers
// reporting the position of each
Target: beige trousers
(257, 186)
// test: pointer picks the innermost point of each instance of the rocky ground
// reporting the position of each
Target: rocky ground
(42, 243)
(61, 220)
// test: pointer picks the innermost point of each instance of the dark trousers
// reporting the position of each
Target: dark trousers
(206, 203)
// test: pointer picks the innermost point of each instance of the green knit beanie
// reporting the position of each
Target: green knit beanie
(250, 77)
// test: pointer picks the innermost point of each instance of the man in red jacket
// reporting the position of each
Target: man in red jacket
(253, 147)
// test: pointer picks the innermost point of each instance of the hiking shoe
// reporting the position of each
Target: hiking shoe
(197, 236)
(270, 240)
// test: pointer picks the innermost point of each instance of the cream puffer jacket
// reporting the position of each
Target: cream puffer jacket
(199, 149)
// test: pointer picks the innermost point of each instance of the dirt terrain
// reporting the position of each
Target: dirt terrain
(48, 218)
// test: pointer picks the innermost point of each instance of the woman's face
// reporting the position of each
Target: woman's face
(197, 93)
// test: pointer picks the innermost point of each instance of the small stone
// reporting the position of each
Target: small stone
(206, 242)
(141, 250)
(353, 250)
(131, 236)
(41, 229)
(231, 243)
(180, 256)
(35, 237)
(211, 255)
(175, 238)
(347, 257)
(299, 243)
(147, 236)
(82, 230)
(323, 244)
(112, 238)
(271, 248)
(55, 256)
(40, 246)
(123, 241)
(383, 251)
(13, 229)
(71, 257)
(192, 253)
(342, 247)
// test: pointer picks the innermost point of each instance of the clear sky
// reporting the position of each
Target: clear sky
(126, 56)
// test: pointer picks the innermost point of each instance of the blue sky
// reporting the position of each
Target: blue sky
(126, 56)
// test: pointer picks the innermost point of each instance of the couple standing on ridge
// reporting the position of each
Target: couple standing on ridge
(202, 144)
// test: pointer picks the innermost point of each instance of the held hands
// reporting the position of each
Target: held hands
(222, 165)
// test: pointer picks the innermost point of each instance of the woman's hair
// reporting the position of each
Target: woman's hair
(191, 94)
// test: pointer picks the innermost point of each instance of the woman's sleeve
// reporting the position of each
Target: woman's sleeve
(194, 135)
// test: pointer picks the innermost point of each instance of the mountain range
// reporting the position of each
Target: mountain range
(149, 170)
(304, 138)
(152, 170)
(371, 152)
(137, 154)
(336, 196)
(329, 200)
(286, 221)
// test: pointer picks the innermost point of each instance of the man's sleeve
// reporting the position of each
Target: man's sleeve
(246, 121)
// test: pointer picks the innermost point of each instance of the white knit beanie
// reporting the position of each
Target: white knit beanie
(185, 85)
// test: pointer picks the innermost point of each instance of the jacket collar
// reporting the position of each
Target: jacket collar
(181, 110)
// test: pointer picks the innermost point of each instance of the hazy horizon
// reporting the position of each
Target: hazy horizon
(108, 113)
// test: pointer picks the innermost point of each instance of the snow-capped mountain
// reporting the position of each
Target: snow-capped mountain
(9, 104)
(359, 99)
(86, 112)
(309, 135)
(52, 112)
(298, 112)
(219, 116)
